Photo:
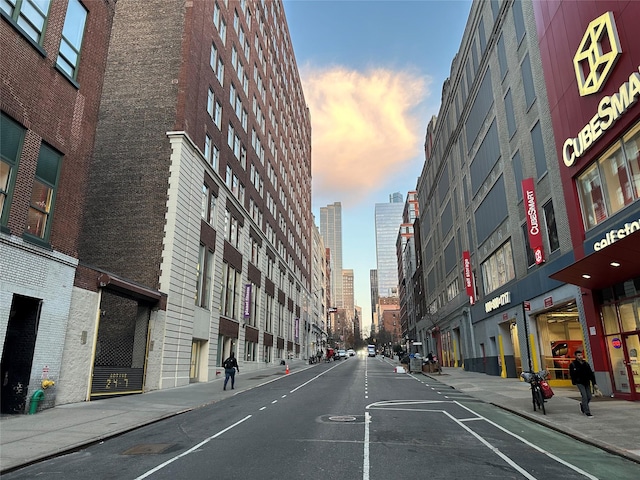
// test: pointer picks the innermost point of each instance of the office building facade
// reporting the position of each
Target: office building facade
(493, 221)
(331, 231)
(388, 217)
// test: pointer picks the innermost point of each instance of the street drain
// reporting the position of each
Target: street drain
(345, 419)
(148, 449)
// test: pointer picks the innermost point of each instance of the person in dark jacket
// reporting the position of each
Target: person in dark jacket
(230, 366)
(583, 377)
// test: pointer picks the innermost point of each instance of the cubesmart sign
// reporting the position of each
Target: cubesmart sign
(533, 224)
(247, 300)
(468, 276)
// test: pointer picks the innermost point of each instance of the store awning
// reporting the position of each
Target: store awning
(598, 270)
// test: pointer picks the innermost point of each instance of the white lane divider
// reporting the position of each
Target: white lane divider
(192, 449)
(532, 445)
(365, 460)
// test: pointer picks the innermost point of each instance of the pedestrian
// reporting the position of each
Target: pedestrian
(430, 357)
(583, 377)
(230, 366)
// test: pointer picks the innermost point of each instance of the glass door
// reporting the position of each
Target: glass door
(632, 348)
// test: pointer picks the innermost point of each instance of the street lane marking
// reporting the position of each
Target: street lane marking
(315, 378)
(263, 408)
(365, 460)
(492, 448)
(532, 445)
(275, 401)
(192, 449)
(283, 396)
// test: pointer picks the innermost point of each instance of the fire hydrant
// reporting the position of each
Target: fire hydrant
(38, 396)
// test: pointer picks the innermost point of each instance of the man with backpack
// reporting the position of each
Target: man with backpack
(230, 366)
(582, 377)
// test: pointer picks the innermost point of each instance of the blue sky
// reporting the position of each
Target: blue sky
(372, 74)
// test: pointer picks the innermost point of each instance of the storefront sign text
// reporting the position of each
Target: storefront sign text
(610, 109)
(533, 226)
(498, 302)
(616, 234)
(468, 276)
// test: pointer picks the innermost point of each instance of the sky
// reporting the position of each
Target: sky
(372, 75)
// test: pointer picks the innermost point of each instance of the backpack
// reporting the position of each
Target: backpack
(546, 390)
(228, 363)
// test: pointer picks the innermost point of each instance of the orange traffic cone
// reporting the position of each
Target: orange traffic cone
(287, 370)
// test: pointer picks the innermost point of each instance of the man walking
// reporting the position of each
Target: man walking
(583, 377)
(230, 366)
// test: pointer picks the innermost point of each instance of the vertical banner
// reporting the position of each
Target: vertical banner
(297, 329)
(533, 224)
(468, 277)
(247, 301)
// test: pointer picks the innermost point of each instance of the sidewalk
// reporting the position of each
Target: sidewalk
(26, 439)
(614, 426)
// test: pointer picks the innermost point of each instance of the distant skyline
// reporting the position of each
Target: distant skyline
(372, 74)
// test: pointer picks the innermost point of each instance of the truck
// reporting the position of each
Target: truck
(371, 350)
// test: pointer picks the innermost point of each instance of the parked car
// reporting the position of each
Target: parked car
(351, 352)
(342, 354)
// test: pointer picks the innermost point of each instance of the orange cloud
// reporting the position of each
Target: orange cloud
(364, 126)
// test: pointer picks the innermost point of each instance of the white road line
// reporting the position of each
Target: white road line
(365, 460)
(284, 396)
(527, 442)
(195, 447)
(275, 401)
(492, 448)
(263, 408)
(314, 378)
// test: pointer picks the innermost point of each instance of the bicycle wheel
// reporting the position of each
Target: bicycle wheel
(540, 400)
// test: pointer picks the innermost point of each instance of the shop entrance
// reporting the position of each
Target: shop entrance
(632, 347)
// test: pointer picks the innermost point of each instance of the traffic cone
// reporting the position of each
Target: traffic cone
(286, 372)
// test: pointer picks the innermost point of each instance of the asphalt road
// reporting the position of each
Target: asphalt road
(353, 419)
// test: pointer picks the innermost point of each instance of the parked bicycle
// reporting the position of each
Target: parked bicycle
(540, 389)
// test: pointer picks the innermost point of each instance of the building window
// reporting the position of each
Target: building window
(250, 351)
(210, 102)
(203, 280)
(255, 252)
(30, 15)
(612, 182)
(531, 258)
(231, 288)
(217, 116)
(216, 64)
(207, 148)
(527, 81)
(71, 41)
(208, 206)
(12, 136)
(498, 268)
(552, 230)
(43, 193)
(232, 229)
(254, 310)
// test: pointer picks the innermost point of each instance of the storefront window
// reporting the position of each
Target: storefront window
(560, 336)
(591, 197)
(612, 182)
(616, 179)
(632, 151)
(629, 316)
(610, 319)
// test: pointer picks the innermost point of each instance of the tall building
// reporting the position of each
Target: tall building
(348, 292)
(51, 77)
(201, 223)
(406, 253)
(331, 231)
(388, 217)
(597, 148)
(373, 288)
(493, 222)
(318, 295)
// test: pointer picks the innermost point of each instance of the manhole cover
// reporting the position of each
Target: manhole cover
(148, 449)
(343, 418)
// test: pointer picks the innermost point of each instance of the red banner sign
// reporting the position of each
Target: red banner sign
(533, 221)
(468, 277)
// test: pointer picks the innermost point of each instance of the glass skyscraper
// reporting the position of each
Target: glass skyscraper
(388, 218)
(331, 231)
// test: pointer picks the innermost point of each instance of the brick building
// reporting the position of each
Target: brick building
(52, 65)
(199, 189)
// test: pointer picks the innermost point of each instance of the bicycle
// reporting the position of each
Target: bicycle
(534, 379)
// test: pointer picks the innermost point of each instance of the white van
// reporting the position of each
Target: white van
(371, 351)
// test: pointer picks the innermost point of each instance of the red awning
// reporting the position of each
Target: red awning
(597, 265)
